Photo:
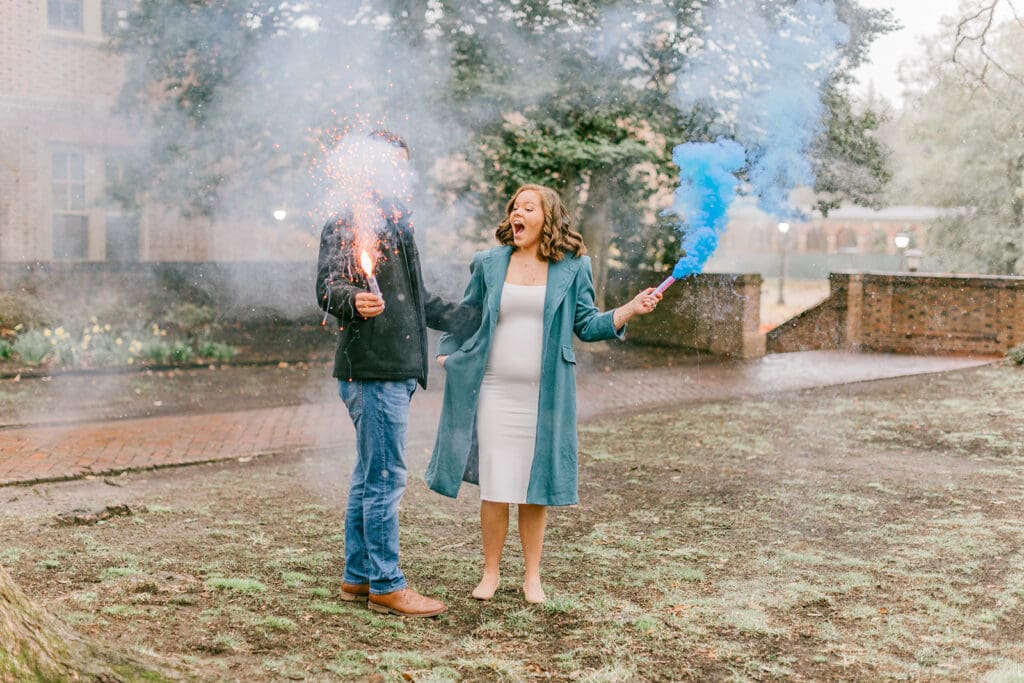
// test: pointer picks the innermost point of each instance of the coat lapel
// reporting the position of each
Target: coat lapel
(560, 276)
(494, 277)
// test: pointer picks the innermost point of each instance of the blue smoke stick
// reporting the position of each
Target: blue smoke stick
(707, 174)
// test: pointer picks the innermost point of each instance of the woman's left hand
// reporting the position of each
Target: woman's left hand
(645, 302)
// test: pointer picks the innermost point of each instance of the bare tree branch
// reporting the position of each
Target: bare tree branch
(1016, 15)
(966, 38)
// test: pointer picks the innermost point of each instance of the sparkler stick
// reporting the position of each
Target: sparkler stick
(367, 264)
(323, 323)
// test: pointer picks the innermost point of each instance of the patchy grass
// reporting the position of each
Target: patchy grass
(237, 585)
(279, 624)
(869, 532)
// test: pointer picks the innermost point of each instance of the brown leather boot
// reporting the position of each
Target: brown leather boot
(355, 592)
(406, 603)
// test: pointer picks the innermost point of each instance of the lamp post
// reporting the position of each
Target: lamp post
(783, 229)
(913, 257)
(902, 241)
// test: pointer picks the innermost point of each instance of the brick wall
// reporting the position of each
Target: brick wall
(910, 313)
(718, 313)
(57, 91)
(46, 65)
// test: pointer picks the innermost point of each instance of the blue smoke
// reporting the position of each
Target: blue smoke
(707, 172)
(784, 115)
(763, 67)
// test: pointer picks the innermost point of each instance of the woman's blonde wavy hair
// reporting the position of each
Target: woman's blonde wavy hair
(557, 238)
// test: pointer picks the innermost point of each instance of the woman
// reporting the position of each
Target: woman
(509, 415)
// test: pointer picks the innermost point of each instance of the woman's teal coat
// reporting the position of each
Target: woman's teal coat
(568, 308)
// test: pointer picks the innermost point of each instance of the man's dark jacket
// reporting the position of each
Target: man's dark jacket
(393, 345)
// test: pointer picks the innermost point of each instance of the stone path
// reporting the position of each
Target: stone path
(35, 454)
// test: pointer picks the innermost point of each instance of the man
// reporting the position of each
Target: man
(381, 356)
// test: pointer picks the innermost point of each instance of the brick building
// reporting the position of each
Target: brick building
(849, 238)
(846, 230)
(61, 143)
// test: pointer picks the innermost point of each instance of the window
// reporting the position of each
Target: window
(879, 241)
(816, 240)
(846, 241)
(113, 175)
(122, 238)
(65, 15)
(70, 237)
(68, 181)
(115, 15)
(70, 221)
(122, 229)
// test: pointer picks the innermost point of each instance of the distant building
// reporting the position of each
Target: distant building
(846, 230)
(849, 238)
(61, 144)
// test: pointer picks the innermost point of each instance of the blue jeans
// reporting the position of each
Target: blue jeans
(380, 413)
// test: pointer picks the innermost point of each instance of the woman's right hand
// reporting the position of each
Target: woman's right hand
(645, 302)
(441, 360)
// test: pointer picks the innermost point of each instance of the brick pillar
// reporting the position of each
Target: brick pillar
(846, 298)
(754, 340)
(854, 324)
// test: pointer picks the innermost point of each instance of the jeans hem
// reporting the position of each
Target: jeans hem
(345, 578)
(392, 587)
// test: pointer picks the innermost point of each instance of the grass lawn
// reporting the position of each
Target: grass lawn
(865, 532)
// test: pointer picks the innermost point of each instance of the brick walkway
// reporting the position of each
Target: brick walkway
(35, 454)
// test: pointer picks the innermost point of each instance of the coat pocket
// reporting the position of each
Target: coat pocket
(568, 355)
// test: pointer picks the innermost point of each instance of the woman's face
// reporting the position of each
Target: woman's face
(527, 219)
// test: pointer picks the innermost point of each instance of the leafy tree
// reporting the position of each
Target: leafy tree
(578, 94)
(236, 95)
(965, 151)
(592, 91)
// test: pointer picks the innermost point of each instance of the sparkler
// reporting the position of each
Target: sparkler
(327, 309)
(360, 178)
(367, 264)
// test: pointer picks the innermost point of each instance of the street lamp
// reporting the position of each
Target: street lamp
(280, 214)
(902, 241)
(783, 229)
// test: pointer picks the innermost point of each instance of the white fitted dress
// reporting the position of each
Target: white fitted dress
(506, 420)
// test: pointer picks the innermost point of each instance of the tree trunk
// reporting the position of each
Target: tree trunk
(35, 646)
(596, 228)
(1017, 208)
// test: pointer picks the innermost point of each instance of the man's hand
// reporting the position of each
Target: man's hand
(369, 305)
(441, 360)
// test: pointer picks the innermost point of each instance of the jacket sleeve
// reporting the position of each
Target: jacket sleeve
(334, 293)
(590, 324)
(472, 305)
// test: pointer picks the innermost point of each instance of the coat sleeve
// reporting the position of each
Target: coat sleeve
(473, 300)
(335, 294)
(590, 324)
(457, 320)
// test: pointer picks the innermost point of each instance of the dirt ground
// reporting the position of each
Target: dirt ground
(863, 532)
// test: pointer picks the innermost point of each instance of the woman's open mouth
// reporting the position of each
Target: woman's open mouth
(518, 228)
